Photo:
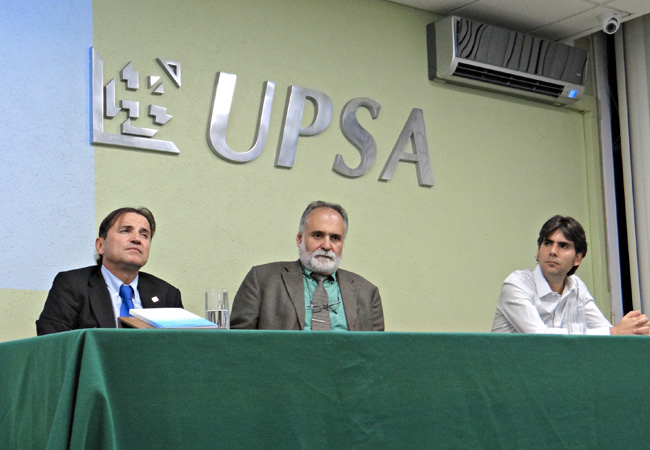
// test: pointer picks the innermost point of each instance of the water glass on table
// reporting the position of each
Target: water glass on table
(216, 307)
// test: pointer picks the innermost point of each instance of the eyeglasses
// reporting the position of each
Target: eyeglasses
(333, 307)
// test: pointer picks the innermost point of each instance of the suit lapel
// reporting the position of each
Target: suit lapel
(349, 296)
(100, 300)
(146, 291)
(292, 278)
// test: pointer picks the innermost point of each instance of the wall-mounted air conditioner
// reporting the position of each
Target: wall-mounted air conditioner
(466, 52)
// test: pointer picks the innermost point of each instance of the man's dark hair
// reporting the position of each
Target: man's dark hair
(110, 220)
(321, 204)
(571, 229)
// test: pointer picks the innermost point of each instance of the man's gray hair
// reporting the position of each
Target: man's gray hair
(321, 204)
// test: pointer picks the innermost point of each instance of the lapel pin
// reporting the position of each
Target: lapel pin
(154, 299)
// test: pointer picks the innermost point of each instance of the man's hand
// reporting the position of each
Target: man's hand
(632, 323)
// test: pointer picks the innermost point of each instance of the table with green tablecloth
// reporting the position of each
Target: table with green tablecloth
(235, 389)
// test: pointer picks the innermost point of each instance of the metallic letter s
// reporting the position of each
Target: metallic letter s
(358, 136)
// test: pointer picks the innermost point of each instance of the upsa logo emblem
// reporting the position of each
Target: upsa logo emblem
(105, 106)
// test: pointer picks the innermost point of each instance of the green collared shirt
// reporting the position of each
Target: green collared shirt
(336, 310)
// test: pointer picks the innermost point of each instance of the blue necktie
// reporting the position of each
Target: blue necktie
(126, 292)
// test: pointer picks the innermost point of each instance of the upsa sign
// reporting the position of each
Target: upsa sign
(105, 107)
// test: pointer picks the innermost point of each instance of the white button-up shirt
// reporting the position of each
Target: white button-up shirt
(527, 304)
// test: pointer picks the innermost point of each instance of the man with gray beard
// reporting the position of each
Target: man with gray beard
(311, 293)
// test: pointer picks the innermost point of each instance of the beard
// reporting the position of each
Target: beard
(319, 261)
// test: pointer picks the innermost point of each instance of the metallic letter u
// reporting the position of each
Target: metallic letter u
(223, 94)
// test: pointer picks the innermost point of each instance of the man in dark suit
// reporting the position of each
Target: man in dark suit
(311, 293)
(95, 296)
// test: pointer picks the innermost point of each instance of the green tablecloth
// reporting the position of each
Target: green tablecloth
(175, 389)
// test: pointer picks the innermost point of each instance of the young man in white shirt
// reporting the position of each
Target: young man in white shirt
(534, 301)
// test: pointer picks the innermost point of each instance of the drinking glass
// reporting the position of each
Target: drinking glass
(576, 323)
(216, 307)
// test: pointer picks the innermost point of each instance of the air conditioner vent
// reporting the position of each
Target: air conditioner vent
(508, 80)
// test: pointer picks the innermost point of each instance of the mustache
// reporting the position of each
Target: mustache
(328, 253)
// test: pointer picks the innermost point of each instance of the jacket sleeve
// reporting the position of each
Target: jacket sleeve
(62, 307)
(377, 312)
(247, 303)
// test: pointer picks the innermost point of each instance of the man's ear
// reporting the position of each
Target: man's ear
(298, 239)
(99, 245)
(577, 260)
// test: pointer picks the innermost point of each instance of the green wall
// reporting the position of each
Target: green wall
(502, 166)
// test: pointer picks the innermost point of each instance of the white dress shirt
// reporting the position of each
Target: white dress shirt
(527, 304)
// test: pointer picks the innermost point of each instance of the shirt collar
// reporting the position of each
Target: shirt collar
(308, 272)
(543, 288)
(114, 283)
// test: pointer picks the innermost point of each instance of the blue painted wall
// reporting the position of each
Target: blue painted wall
(47, 212)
